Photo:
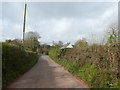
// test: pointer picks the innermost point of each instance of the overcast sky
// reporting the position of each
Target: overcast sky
(65, 21)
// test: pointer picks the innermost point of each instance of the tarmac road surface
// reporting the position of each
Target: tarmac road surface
(47, 74)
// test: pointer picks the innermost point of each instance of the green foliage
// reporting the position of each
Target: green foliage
(15, 62)
(102, 79)
(70, 66)
(112, 38)
(17, 42)
(54, 52)
(87, 72)
(113, 33)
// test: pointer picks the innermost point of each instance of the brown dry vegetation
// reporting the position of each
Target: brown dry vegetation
(105, 58)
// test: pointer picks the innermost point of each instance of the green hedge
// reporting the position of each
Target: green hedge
(15, 62)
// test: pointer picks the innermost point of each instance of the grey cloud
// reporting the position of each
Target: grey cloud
(38, 11)
(13, 11)
(0, 10)
(10, 31)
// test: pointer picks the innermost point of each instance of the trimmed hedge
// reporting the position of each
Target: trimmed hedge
(15, 62)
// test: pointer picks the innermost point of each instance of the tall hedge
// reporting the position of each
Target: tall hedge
(15, 62)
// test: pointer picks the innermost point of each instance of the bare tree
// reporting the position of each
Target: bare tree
(112, 33)
(31, 40)
(60, 43)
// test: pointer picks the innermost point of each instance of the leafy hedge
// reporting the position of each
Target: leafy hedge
(96, 64)
(15, 62)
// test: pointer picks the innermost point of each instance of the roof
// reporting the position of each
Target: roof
(67, 46)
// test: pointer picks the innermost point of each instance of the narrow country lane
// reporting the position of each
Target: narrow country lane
(47, 74)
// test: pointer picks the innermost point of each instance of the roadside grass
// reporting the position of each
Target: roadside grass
(15, 62)
(87, 73)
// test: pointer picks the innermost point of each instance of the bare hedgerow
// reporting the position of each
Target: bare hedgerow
(104, 57)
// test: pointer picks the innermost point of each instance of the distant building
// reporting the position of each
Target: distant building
(67, 46)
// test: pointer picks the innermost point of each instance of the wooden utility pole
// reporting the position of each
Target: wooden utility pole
(24, 22)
